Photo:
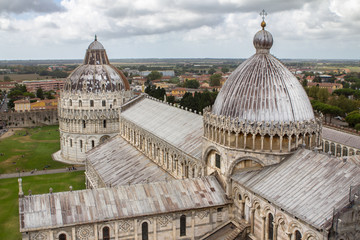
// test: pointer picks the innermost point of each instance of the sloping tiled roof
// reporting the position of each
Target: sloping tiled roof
(180, 128)
(119, 163)
(347, 139)
(95, 205)
(308, 185)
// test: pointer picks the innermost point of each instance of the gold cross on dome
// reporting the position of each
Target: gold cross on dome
(263, 14)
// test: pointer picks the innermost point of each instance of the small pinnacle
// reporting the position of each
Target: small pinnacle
(95, 37)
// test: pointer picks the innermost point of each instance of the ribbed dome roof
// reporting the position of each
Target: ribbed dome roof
(96, 74)
(263, 89)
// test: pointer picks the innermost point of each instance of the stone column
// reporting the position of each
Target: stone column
(116, 230)
(237, 140)
(135, 229)
(96, 231)
(275, 230)
(51, 235)
(245, 135)
(342, 150)
(73, 234)
(264, 229)
(310, 141)
(335, 153)
(174, 226)
(155, 232)
(289, 235)
(253, 141)
(193, 225)
(281, 142)
(271, 142)
(289, 145)
(252, 220)
(229, 139)
(242, 209)
(297, 141)
(262, 143)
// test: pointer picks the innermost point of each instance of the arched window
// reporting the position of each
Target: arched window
(106, 233)
(217, 161)
(104, 123)
(114, 102)
(91, 103)
(84, 124)
(80, 103)
(70, 142)
(70, 102)
(270, 226)
(81, 144)
(62, 236)
(103, 103)
(144, 231)
(182, 225)
(240, 198)
(297, 235)
(92, 143)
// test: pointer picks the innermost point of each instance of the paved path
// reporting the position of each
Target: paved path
(40, 172)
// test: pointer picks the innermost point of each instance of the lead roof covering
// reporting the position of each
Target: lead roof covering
(105, 204)
(308, 185)
(118, 163)
(180, 128)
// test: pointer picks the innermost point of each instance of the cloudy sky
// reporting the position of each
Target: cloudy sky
(62, 29)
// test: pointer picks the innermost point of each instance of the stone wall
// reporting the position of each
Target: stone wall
(161, 226)
(258, 212)
(29, 118)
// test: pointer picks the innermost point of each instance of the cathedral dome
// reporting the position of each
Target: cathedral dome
(263, 89)
(96, 74)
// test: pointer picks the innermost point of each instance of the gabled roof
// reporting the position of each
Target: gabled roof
(307, 185)
(117, 162)
(180, 128)
(347, 139)
(95, 205)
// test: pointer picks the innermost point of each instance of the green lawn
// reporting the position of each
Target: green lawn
(9, 210)
(29, 149)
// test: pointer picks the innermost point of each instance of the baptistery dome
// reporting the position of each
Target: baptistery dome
(263, 89)
(89, 105)
(261, 114)
(96, 74)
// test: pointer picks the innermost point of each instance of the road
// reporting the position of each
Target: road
(40, 172)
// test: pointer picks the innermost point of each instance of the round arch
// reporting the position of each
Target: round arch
(207, 151)
(104, 138)
(236, 162)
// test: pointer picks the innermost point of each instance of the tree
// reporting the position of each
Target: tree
(323, 95)
(7, 78)
(170, 99)
(353, 118)
(154, 75)
(313, 92)
(212, 71)
(40, 93)
(215, 79)
(192, 84)
(304, 82)
(158, 93)
(225, 69)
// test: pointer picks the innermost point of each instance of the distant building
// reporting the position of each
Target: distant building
(6, 86)
(22, 105)
(46, 104)
(168, 73)
(329, 86)
(45, 85)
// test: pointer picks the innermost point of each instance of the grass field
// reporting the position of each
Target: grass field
(32, 76)
(30, 149)
(9, 210)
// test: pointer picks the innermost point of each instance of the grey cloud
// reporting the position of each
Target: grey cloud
(22, 6)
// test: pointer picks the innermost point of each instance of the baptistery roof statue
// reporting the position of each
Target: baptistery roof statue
(263, 89)
(96, 74)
